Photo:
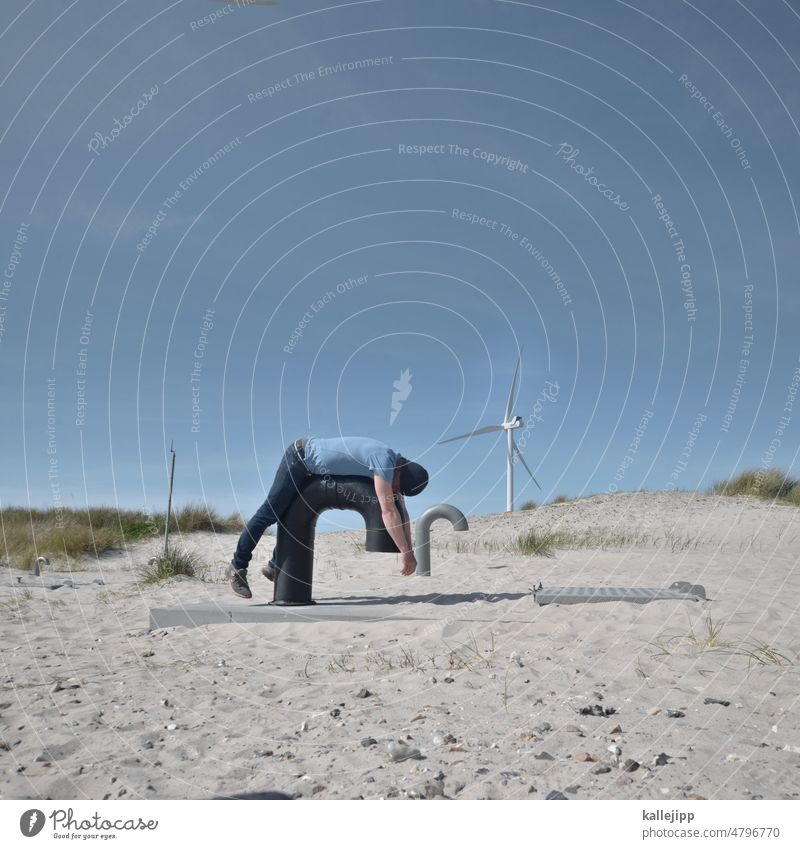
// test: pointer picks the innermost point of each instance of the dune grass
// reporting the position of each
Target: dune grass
(535, 543)
(769, 484)
(706, 636)
(74, 535)
(543, 543)
(529, 505)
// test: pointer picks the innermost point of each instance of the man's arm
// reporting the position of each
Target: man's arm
(401, 506)
(393, 519)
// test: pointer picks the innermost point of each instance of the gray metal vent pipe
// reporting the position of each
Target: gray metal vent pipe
(422, 532)
(294, 552)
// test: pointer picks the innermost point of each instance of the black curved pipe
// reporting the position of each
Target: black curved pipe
(294, 553)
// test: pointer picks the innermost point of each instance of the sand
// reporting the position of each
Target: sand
(488, 687)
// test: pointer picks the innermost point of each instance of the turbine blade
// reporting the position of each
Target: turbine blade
(522, 460)
(489, 429)
(513, 392)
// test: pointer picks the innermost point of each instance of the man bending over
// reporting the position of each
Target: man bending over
(394, 477)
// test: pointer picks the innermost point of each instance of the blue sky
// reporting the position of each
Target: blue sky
(600, 183)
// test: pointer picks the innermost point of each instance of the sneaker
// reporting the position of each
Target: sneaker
(239, 585)
(269, 571)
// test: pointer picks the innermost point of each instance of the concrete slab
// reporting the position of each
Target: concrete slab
(223, 612)
(42, 583)
(680, 590)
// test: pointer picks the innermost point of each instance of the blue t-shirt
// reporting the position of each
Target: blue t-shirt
(350, 455)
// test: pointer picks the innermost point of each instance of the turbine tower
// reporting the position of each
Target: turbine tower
(509, 425)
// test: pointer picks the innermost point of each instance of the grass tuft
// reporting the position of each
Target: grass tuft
(529, 505)
(769, 484)
(175, 561)
(708, 638)
(535, 543)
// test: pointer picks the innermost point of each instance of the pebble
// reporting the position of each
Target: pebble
(617, 729)
(544, 756)
(515, 658)
(709, 701)
(363, 693)
(585, 757)
(675, 714)
(555, 794)
(369, 741)
(57, 751)
(430, 789)
(573, 788)
(623, 779)
(630, 765)
(661, 759)
(172, 726)
(653, 711)
(399, 751)
(543, 728)
(70, 684)
(596, 710)
(573, 729)
(449, 680)
(304, 726)
(335, 712)
(600, 769)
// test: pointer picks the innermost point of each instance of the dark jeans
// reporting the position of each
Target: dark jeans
(289, 479)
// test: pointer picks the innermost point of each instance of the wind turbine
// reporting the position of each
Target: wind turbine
(509, 425)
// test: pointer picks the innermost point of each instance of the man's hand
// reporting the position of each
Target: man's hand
(393, 521)
(409, 563)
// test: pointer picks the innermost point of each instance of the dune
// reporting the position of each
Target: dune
(478, 693)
